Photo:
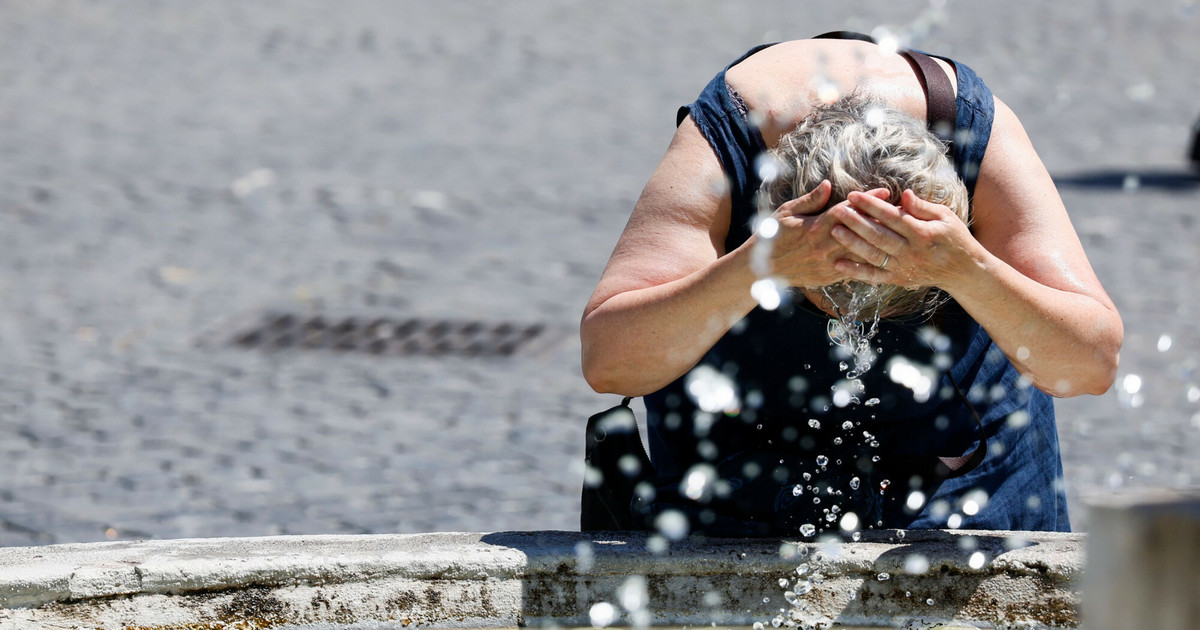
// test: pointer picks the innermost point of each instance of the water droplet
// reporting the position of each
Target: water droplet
(768, 292)
(883, 485)
(804, 588)
(807, 477)
(768, 227)
(831, 517)
(758, 625)
(977, 560)
(875, 116)
(697, 484)
(822, 461)
(1164, 343)
(837, 440)
(874, 444)
(808, 529)
(929, 601)
(916, 564)
(847, 425)
(584, 556)
(871, 402)
(797, 490)
(1131, 183)
(673, 524)
(253, 181)
(1141, 93)
(602, 614)
(856, 536)
(854, 481)
(633, 593)
(827, 93)
(875, 458)
(814, 423)
(783, 583)
(816, 500)
(883, 577)
(887, 41)
(712, 390)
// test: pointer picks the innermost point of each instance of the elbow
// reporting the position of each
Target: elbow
(609, 372)
(1098, 374)
(601, 380)
(606, 376)
(1107, 357)
(600, 369)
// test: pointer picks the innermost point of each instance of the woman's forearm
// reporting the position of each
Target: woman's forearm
(1065, 342)
(638, 341)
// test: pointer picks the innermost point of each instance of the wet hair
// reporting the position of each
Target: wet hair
(859, 143)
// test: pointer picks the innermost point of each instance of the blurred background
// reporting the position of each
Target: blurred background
(186, 187)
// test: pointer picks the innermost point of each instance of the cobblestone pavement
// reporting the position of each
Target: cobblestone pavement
(167, 169)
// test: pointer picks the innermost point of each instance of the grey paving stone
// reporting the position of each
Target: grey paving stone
(167, 170)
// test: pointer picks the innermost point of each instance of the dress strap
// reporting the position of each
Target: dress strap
(939, 95)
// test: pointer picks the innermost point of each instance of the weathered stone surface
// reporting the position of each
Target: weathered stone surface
(535, 578)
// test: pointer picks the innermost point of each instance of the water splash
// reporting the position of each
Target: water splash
(856, 306)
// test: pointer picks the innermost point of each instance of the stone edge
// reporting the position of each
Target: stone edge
(1028, 579)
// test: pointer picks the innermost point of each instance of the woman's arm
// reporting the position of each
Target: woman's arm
(1023, 276)
(670, 291)
(663, 299)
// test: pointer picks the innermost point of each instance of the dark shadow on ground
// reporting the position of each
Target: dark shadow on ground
(1131, 180)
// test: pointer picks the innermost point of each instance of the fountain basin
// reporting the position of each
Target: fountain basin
(549, 578)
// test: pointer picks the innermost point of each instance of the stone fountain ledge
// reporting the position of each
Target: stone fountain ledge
(1029, 580)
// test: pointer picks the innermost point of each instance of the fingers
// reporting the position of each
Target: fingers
(812, 202)
(869, 227)
(862, 272)
(919, 208)
(878, 208)
(860, 248)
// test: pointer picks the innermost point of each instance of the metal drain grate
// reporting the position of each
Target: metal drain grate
(394, 337)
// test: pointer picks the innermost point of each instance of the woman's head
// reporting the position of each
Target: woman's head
(859, 143)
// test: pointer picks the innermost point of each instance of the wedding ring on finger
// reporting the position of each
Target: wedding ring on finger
(886, 258)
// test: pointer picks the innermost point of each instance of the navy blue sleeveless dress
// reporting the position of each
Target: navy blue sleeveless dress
(757, 469)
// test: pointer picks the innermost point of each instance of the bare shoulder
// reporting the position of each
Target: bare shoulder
(1019, 216)
(678, 224)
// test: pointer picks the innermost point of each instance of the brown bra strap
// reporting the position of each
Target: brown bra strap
(939, 94)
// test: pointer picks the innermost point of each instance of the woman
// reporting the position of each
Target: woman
(731, 388)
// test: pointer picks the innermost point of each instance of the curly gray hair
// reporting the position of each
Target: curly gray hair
(859, 143)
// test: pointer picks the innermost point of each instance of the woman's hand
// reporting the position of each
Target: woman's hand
(915, 244)
(804, 251)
